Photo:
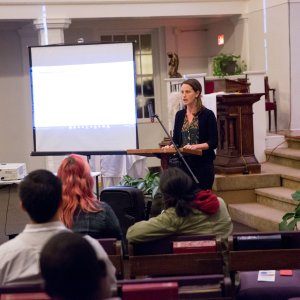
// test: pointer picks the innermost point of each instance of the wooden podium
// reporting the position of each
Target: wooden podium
(162, 153)
(235, 152)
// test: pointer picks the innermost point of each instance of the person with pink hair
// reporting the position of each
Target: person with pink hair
(81, 211)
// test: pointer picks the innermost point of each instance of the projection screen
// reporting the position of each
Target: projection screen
(83, 98)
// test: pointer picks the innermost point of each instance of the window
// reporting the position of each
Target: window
(143, 68)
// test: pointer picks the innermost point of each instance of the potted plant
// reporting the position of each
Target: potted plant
(150, 187)
(228, 64)
(290, 219)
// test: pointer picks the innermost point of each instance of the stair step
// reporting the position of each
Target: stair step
(284, 156)
(293, 143)
(274, 140)
(290, 182)
(255, 215)
(246, 182)
(290, 176)
(276, 197)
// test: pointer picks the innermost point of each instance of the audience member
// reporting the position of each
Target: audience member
(81, 210)
(71, 269)
(40, 194)
(188, 211)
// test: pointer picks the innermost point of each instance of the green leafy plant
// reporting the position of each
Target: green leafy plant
(228, 64)
(149, 184)
(290, 219)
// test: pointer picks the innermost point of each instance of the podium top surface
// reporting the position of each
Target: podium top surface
(162, 151)
(239, 98)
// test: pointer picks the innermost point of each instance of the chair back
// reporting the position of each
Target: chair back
(270, 103)
(127, 203)
(267, 90)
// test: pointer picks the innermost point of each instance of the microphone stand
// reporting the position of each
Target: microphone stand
(176, 148)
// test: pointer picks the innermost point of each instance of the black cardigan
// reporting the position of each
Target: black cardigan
(208, 131)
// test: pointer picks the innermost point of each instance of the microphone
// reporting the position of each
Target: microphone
(151, 112)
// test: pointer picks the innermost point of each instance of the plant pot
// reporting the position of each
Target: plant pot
(229, 67)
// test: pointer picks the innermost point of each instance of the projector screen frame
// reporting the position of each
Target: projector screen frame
(87, 153)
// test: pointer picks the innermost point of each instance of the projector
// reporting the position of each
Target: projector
(12, 171)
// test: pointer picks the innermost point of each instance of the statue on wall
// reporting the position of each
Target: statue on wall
(173, 63)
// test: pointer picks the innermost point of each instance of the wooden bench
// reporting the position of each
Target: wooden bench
(23, 292)
(251, 252)
(113, 248)
(189, 287)
(272, 250)
(156, 258)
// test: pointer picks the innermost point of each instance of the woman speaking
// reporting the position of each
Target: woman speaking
(195, 128)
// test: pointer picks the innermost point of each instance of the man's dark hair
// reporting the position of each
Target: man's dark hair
(71, 269)
(40, 194)
(178, 190)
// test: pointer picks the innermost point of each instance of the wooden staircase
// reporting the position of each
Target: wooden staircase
(262, 200)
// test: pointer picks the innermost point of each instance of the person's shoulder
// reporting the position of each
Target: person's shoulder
(206, 111)
(6, 246)
(223, 204)
(168, 215)
(13, 247)
(104, 206)
(181, 112)
(221, 200)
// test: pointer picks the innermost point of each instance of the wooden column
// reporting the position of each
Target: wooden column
(235, 152)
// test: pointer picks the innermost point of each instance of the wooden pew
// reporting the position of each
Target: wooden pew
(265, 250)
(156, 258)
(23, 292)
(189, 287)
(251, 252)
(113, 248)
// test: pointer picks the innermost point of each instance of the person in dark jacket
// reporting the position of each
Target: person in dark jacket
(195, 128)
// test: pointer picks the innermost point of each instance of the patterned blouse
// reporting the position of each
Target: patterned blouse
(190, 132)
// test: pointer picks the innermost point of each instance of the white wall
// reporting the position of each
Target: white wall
(278, 40)
(225, 27)
(277, 64)
(192, 50)
(295, 64)
(235, 30)
(256, 41)
(15, 102)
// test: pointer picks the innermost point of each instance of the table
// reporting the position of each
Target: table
(12, 217)
(114, 167)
